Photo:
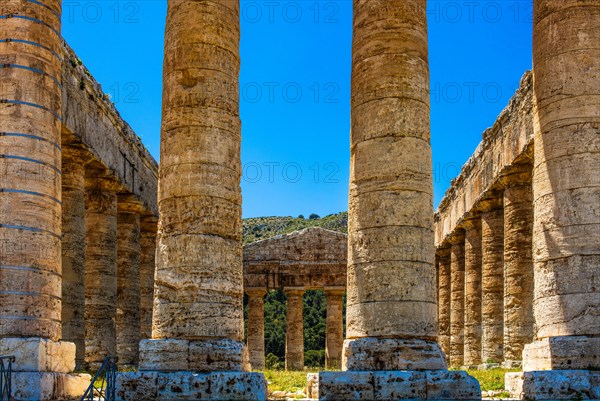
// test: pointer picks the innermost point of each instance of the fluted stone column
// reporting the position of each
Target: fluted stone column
(444, 298)
(148, 228)
(492, 281)
(198, 322)
(518, 266)
(391, 273)
(100, 270)
(334, 328)
(473, 261)
(294, 330)
(30, 170)
(457, 299)
(256, 327)
(73, 249)
(128, 281)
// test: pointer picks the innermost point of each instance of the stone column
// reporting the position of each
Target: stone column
(198, 322)
(473, 261)
(457, 298)
(128, 280)
(100, 270)
(518, 266)
(294, 330)
(30, 199)
(73, 249)
(30, 167)
(492, 281)
(148, 230)
(566, 199)
(256, 327)
(334, 326)
(566, 185)
(444, 298)
(391, 273)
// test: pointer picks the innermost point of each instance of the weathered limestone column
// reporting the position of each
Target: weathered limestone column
(198, 323)
(444, 298)
(473, 261)
(391, 306)
(566, 186)
(294, 330)
(457, 299)
(73, 249)
(334, 328)
(30, 198)
(492, 281)
(518, 266)
(148, 228)
(128, 280)
(566, 198)
(100, 270)
(256, 327)
(30, 168)
(391, 276)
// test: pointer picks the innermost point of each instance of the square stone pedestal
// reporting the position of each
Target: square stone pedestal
(190, 386)
(397, 385)
(554, 385)
(42, 370)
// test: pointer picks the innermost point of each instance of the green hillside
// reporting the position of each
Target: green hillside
(259, 228)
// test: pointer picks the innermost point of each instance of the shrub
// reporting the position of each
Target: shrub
(314, 216)
(272, 362)
(314, 358)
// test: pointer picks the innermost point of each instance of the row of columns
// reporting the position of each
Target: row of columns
(485, 278)
(294, 340)
(102, 255)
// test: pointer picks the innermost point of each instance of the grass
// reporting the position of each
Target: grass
(280, 380)
(491, 379)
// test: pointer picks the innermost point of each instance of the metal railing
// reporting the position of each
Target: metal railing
(102, 387)
(6, 377)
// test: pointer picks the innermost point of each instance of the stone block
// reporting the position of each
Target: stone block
(346, 386)
(183, 386)
(46, 386)
(392, 354)
(554, 385)
(562, 353)
(237, 386)
(39, 355)
(216, 355)
(164, 355)
(312, 385)
(452, 385)
(190, 386)
(137, 386)
(400, 385)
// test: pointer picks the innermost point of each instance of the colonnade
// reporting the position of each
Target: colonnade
(485, 278)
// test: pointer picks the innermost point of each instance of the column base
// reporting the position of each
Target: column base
(562, 353)
(49, 386)
(42, 369)
(398, 385)
(392, 354)
(176, 355)
(554, 385)
(190, 386)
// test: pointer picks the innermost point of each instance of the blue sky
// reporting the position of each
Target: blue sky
(295, 86)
